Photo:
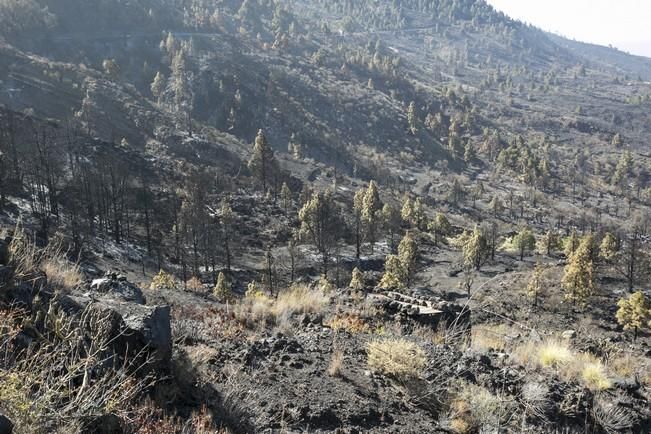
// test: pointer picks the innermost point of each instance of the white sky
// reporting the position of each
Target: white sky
(625, 24)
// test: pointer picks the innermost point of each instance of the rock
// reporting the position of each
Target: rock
(21, 295)
(105, 424)
(134, 329)
(4, 252)
(150, 325)
(568, 334)
(6, 426)
(119, 287)
(6, 273)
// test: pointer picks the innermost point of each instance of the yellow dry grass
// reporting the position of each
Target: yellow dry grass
(262, 310)
(554, 354)
(489, 337)
(62, 274)
(594, 377)
(349, 322)
(396, 357)
(336, 364)
(299, 299)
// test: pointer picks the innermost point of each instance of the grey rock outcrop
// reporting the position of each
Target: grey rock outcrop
(6, 426)
(133, 329)
(118, 287)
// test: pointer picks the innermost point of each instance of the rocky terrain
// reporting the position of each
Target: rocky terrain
(319, 216)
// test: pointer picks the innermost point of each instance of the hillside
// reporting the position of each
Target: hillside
(319, 216)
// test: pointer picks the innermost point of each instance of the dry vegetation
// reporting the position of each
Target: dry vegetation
(396, 357)
(259, 310)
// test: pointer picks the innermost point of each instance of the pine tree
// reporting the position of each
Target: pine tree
(394, 274)
(634, 313)
(391, 220)
(571, 243)
(286, 197)
(535, 285)
(609, 247)
(407, 210)
(371, 207)
(253, 290)
(550, 242)
(170, 44)
(440, 227)
(457, 192)
(358, 207)
(408, 255)
(357, 280)
(617, 140)
(222, 291)
(496, 206)
(623, 170)
(469, 153)
(181, 86)
(158, 86)
(475, 249)
(111, 68)
(294, 147)
(417, 213)
(412, 118)
(322, 224)
(578, 280)
(524, 241)
(477, 193)
(325, 285)
(226, 217)
(163, 280)
(263, 160)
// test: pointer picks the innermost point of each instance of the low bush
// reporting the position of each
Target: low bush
(163, 280)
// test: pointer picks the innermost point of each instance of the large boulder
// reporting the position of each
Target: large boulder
(6, 426)
(4, 252)
(134, 330)
(116, 286)
(148, 325)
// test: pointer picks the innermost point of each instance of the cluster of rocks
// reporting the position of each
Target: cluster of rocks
(425, 309)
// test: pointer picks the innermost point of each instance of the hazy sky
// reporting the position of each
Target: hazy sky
(626, 24)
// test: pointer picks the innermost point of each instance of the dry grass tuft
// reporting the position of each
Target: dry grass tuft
(349, 322)
(628, 365)
(194, 284)
(62, 274)
(475, 407)
(24, 256)
(487, 337)
(28, 260)
(595, 378)
(535, 398)
(612, 418)
(259, 310)
(459, 426)
(299, 299)
(554, 354)
(569, 366)
(396, 357)
(336, 364)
